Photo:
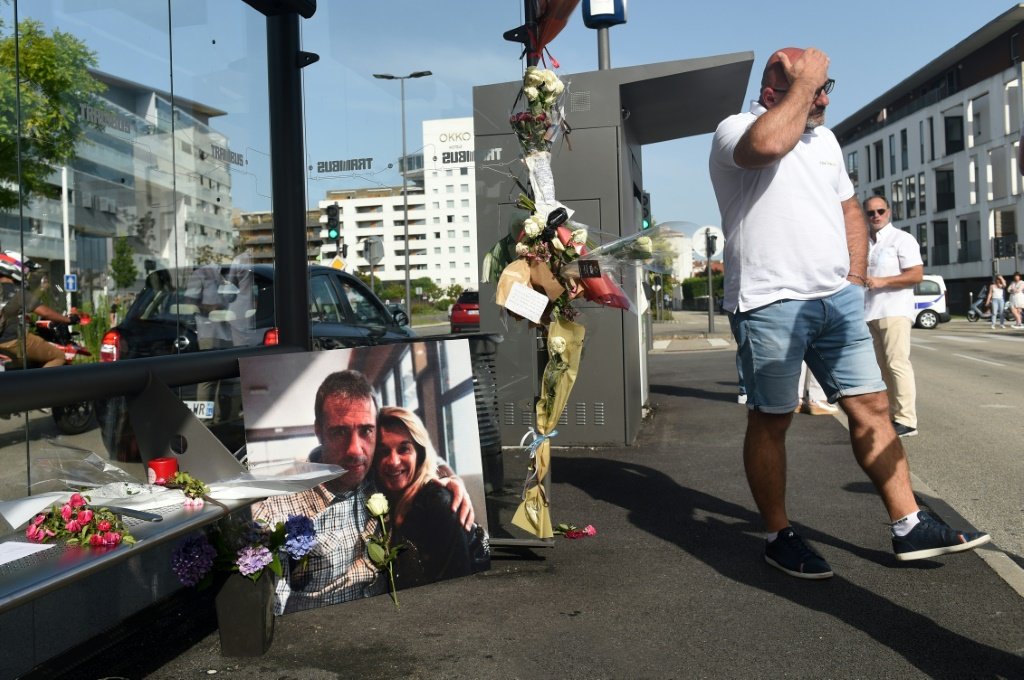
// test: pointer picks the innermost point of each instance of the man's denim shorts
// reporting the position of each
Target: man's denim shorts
(829, 334)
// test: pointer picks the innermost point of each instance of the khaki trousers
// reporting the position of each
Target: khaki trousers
(891, 337)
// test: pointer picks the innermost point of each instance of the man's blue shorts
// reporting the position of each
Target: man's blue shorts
(828, 333)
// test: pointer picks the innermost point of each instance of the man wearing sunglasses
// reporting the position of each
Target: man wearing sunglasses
(894, 266)
(796, 253)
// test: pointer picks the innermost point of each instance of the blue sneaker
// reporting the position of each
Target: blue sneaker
(790, 554)
(933, 537)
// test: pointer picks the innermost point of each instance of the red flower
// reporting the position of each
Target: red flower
(103, 525)
(67, 512)
(574, 533)
(77, 500)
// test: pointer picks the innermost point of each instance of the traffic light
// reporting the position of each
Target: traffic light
(333, 226)
(645, 210)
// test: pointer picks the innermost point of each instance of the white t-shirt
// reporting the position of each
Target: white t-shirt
(892, 252)
(785, 235)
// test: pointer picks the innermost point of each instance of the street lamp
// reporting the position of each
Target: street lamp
(405, 192)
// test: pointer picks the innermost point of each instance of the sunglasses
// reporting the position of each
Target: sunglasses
(880, 211)
(826, 88)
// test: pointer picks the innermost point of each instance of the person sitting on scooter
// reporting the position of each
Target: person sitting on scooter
(12, 295)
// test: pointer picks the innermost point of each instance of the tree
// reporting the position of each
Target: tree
(122, 265)
(206, 255)
(50, 80)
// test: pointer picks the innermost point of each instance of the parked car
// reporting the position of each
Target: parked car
(465, 314)
(930, 302)
(220, 306)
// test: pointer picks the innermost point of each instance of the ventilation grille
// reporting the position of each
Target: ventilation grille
(579, 101)
(599, 413)
(509, 417)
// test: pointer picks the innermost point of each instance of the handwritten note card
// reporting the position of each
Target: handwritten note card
(526, 302)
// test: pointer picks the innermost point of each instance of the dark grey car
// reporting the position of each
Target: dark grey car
(220, 306)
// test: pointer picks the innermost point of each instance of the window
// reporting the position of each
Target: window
(851, 166)
(979, 113)
(931, 139)
(451, 233)
(922, 240)
(920, 194)
(892, 154)
(997, 169)
(969, 247)
(449, 188)
(940, 251)
(945, 196)
(954, 137)
(465, 233)
(920, 137)
(323, 302)
(464, 203)
(450, 218)
(896, 204)
(904, 150)
(465, 249)
(464, 188)
(449, 204)
(867, 160)
(463, 171)
(879, 160)
(911, 184)
(451, 249)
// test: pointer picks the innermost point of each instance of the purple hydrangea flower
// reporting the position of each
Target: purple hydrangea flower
(193, 559)
(300, 536)
(252, 558)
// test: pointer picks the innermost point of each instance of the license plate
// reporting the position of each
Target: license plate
(201, 409)
(473, 312)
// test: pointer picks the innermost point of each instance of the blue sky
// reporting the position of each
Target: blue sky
(349, 114)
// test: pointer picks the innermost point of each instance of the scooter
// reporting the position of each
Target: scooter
(72, 418)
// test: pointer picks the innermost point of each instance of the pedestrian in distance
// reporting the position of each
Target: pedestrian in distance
(811, 398)
(995, 300)
(1015, 290)
(894, 267)
(796, 251)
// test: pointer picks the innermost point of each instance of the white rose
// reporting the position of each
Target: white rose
(533, 226)
(531, 93)
(579, 236)
(556, 344)
(377, 505)
(556, 87)
(533, 76)
(522, 250)
(644, 244)
(556, 244)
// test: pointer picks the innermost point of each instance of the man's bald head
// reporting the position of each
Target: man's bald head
(774, 74)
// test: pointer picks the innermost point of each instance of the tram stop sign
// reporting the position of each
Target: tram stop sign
(71, 283)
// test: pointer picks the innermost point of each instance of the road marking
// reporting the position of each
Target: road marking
(984, 361)
(1007, 338)
(718, 342)
(920, 346)
(957, 338)
(998, 406)
(661, 344)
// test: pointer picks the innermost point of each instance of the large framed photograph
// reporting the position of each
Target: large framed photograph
(401, 420)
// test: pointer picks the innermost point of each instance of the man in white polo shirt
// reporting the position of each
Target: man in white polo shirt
(894, 266)
(796, 250)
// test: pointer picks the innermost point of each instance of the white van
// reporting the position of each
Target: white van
(930, 302)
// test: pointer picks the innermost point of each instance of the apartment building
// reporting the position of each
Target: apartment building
(440, 201)
(942, 147)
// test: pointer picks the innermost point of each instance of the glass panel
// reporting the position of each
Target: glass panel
(131, 205)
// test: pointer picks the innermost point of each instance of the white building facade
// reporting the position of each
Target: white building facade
(942, 147)
(441, 195)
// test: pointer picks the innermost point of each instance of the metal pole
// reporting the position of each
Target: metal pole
(67, 230)
(711, 299)
(405, 208)
(604, 57)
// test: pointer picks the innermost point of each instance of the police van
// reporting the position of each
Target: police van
(930, 302)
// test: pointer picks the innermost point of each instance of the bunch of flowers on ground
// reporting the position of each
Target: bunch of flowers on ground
(247, 547)
(378, 546)
(77, 523)
(573, 531)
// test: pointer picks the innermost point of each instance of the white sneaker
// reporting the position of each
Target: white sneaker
(741, 399)
(820, 408)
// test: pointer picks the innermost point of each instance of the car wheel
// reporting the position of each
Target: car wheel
(927, 319)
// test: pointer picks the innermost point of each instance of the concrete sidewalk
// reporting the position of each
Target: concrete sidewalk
(672, 586)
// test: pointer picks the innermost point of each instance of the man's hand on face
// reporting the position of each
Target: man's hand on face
(461, 504)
